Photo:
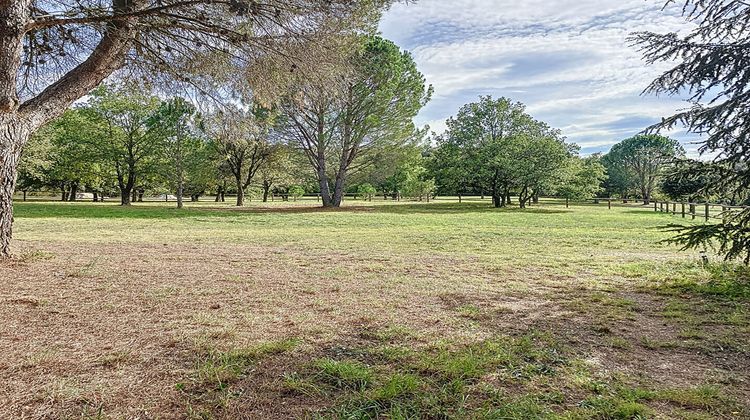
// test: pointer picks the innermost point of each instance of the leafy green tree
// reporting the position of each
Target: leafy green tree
(539, 164)
(453, 176)
(496, 146)
(128, 141)
(281, 169)
(296, 191)
(177, 122)
(418, 185)
(486, 133)
(35, 162)
(690, 180)
(620, 181)
(341, 127)
(713, 65)
(366, 190)
(583, 178)
(641, 160)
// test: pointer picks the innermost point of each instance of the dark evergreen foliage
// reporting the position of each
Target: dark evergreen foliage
(713, 66)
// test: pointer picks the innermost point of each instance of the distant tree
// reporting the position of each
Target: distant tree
(176, 121)
(689, 180)
(713, 65)
(35, 163)
(280, 169)
(620, 180)
(641, 160)
(539, 164)
(242, 139)
(296, 191)
(366, 190)
(127, 141)
(582, 179)
(452, 174)
(418, 185)
(340, 126)
(497, 146)
(75, 165)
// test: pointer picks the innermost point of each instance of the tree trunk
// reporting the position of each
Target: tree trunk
(325, 191)
(13, 136)
(179, 196)
(96, 197)
(24, 195)
(266, 190)
(73, 191)
(240, 192)
(338, 189)
(125, 197)
(63, 192)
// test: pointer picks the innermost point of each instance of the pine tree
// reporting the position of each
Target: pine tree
(713, 65)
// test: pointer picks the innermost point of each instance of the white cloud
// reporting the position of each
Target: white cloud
(569, 61)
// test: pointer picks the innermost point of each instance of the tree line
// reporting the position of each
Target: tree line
(123, 142)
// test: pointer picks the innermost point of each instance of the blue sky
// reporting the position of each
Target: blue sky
(567, 60)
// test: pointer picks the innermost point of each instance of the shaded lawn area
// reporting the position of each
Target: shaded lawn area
(376, 310)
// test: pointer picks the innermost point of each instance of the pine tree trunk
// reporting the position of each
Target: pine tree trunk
(325, 191)
(13, 136)
(338, 190)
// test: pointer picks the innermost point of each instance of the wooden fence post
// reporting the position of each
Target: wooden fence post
(683, 210)
(708, 211)
(609, 203)
(674, 208)
(655, 204)
(567, 202)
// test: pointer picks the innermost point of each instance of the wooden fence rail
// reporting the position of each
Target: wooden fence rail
(707, 211)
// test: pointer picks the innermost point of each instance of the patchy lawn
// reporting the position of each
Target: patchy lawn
(376, 310)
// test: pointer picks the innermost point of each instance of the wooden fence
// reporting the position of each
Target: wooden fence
(706, 211)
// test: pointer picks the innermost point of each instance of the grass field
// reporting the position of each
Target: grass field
(403, 310)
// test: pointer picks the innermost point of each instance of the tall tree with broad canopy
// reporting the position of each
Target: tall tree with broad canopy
(53, 53)
(502, 149)
(713, 65)
(128, 140)
(484, 133)
(340, 127)
(642, 159)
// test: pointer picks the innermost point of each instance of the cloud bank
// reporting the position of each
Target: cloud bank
(568, 61)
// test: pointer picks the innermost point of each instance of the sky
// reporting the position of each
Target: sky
(569, 61)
